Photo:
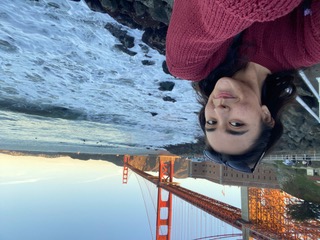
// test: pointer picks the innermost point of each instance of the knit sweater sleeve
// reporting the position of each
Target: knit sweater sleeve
(290, 42)
(312, 35)
(200, 31)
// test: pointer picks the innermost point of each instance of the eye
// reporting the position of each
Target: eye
(211, 122)
(236, 124)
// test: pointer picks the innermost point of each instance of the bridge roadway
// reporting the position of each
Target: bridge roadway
(227, 213)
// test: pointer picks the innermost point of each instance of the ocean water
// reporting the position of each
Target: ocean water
(65, 87)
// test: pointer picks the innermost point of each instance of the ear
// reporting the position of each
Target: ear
(266, 116)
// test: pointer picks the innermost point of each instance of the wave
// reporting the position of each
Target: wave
(44, 110)
(62, 112)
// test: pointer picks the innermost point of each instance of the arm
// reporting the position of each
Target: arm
(200, 31)
(312, 35)
(290, 42)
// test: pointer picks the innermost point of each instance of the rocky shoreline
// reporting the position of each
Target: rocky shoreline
(302, 132)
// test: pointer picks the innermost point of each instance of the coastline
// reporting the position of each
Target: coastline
(178, 149)
(83, 155)
(187, 148)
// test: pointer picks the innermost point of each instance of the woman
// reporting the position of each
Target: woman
(241, 55)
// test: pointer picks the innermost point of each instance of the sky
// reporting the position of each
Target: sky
(64, 198)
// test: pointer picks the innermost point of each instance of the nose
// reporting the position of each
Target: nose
(221, 104)
(222, 112)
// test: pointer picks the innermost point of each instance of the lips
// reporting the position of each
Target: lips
(224, 95)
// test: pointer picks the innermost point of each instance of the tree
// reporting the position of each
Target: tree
(304, 211)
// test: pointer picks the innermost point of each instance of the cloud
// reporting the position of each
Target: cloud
(20, 181)
(100, 178)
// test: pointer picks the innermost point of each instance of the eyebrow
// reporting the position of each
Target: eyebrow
(231, 132)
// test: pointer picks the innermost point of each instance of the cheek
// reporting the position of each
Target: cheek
(248, 109)
(207, 110)
(251, 114)
(242, 110)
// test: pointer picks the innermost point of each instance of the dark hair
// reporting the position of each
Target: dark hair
(277, 91)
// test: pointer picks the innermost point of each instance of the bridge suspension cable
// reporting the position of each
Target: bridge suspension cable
(145, 204)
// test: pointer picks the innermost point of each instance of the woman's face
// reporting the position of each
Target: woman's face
(234, 116)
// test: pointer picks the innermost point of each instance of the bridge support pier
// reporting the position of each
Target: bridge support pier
(164, 205)
(126, 159)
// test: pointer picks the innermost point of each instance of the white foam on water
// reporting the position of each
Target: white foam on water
(58, 53)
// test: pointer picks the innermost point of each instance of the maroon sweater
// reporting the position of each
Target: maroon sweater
(279, 34)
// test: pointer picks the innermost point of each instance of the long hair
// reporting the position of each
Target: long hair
(277, 91)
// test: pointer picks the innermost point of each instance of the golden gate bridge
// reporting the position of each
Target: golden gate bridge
(265, 217)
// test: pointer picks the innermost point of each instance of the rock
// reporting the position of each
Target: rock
(111, 5)
(124, 49)
(166, 86)
(156, 38)
(148, 62)
(125, 20)
(95, 5)
(154, 114)
(148, 3)
(140, 9)
(150, 15)
(159, 12)
(304, 144)
(169, 99)
(121, 35)
(144, 48)
(165, 67)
